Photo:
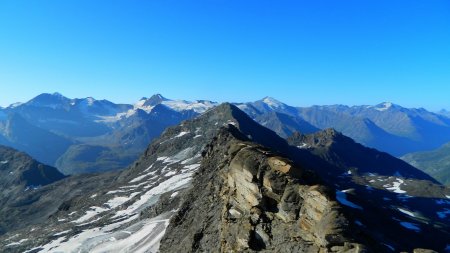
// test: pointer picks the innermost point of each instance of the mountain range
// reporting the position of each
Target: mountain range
(221, 182)
(89, 135)
(386, 126)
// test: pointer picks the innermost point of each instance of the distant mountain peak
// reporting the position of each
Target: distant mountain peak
(384, 106)
(323, 138)
(89, 101)
(152, 101)
(52, 100)
(158, 95)
(54, 94)
(272, 102)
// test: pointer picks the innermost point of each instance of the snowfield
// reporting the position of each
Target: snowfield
(123, 231)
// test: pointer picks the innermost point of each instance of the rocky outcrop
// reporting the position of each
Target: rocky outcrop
(246, 198)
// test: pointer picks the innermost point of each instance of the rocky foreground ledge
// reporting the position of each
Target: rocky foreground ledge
(245, 198)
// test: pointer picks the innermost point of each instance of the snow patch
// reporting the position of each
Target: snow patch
(116, 191)
(152, 195)
(62, 233)
(170, 173)
(396, 186)
(197, 106)
(16, 243)
(149, 168)
(137, 179)
(94, 210)
(182, 155)
(181, 134)
(342, 198)
(272, 103)
(406, 212)
(120, 200)
(230, 122)
(383, 107)
(443, 202)
(146, 239)
(443, 214)
(192, 167)
(389, 246)
(303, 146)
(410, 226)
(192, 159)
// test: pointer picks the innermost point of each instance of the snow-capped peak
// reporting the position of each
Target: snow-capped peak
(90, 100)
(272, 102)
(199, 106)
(147, 104)
(384, 106)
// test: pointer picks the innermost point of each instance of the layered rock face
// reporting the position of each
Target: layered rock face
(247, 199)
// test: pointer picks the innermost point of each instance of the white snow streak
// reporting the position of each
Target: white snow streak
(342, 198)
(396, 186)
(410, 226)
(406, 212)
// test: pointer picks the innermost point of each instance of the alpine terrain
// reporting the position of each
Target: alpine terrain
(435, 162)
(221, 182)
(386, 126)
(88, 135)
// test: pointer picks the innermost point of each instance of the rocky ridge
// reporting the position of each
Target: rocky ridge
(255, 200)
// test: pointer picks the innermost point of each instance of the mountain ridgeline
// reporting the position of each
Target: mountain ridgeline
(65, 132)
(221, 182)
(386, 126)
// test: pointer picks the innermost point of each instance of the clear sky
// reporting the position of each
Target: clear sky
(300, 52)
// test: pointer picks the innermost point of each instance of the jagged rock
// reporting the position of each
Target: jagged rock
(263, 206)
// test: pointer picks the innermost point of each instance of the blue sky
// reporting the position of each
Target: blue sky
(300, 52)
